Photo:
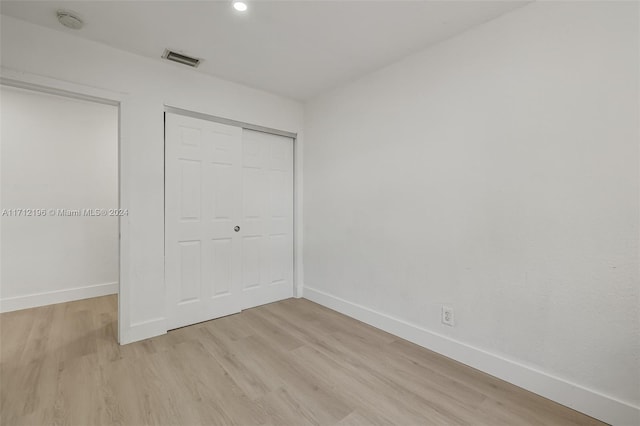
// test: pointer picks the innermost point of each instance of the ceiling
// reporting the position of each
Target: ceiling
(293, 48)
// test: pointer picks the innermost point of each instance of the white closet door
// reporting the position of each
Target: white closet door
(267, 218)
(203, 190)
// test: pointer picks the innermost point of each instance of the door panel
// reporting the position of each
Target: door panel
(190, 181)
(190, 267)
(202, 205)
(222, 262)
(218, 177)
(251, 267)
(267, 218)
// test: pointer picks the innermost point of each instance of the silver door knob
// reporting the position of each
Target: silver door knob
(237, 228)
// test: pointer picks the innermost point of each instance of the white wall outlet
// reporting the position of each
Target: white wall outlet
(447, 316)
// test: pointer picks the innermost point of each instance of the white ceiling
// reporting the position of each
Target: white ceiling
(294, 48)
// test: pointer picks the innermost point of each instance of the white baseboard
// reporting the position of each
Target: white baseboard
(59, 296)
(572, 395)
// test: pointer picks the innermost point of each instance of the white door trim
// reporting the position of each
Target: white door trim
(229, 122)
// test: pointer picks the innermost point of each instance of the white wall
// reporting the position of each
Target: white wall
(496, 173)
(57, 153)
(144, 86)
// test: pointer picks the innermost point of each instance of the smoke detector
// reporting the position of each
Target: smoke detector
(70, 19)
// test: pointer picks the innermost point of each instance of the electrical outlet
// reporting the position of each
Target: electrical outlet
(447, 316)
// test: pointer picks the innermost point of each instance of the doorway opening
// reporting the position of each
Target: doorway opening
(59, 204)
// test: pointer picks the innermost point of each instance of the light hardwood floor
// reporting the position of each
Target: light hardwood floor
(288, 363)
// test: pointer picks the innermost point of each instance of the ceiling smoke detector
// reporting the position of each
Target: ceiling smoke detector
(70, 19)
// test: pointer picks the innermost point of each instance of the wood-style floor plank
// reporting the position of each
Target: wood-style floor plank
(287, 363)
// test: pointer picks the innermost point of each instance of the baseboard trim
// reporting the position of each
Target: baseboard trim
(590, 402)
(59, 296)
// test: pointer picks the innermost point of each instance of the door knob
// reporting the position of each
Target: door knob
(237, 228)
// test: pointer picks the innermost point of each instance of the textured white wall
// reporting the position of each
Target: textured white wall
(57, 153)
(496, 173)
(145, 86)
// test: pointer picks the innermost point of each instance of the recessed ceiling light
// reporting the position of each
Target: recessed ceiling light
(70, 19)
(240, 6)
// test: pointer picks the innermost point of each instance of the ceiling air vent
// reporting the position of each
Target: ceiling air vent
(180, 58)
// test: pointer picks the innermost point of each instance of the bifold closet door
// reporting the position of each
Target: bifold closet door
(228, 219)
(267, 218)
(203, 190)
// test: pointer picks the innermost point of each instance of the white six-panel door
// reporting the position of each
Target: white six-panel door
(228, 219)
(267, 218)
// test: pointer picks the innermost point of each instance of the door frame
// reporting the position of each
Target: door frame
(36, 83)
(297, 178)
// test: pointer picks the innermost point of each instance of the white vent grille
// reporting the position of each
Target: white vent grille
(181, 59)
